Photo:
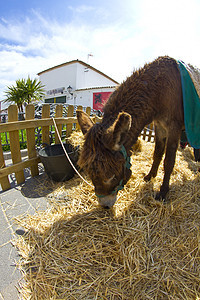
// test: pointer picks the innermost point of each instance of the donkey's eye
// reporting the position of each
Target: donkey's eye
(108, 181)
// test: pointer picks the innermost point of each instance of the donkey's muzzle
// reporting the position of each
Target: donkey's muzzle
(107, 201)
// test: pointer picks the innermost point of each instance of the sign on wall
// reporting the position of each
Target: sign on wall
(99, 99)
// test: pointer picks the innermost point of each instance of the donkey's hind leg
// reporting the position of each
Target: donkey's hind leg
(160, 141)
(170, 156)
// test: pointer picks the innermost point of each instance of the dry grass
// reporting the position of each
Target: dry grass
(140, 249)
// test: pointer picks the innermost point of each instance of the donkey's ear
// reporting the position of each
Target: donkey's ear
(119, 131)
(84, 121)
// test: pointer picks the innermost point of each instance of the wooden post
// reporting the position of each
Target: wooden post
(70, 113)
(58, 113)
(30, 133)
(144, 133)
(150, 132)
(79, 107)
(45, 129)
(88, 110)
(14, 143)
(5, 184)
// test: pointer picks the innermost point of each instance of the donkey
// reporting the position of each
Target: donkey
(152, 93)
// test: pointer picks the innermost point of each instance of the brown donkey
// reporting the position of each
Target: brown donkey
(152, 93)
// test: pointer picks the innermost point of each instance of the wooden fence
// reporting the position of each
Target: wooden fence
(29, 124)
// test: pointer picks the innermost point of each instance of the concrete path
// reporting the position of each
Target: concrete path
(18, 200)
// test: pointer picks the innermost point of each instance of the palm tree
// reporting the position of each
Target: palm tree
(34, 90)
(16, 94)
(25, 91)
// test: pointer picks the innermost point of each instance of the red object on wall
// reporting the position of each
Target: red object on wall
(99, 99)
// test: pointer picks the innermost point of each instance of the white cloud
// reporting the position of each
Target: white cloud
(172, 28)
(145, 31)
(81, 9)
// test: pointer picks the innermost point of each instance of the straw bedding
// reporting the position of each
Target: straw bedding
(139, 249)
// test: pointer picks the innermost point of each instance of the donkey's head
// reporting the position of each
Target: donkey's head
(104, 157)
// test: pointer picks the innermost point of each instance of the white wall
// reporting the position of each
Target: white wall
(60, 77)
(87, 78)
(78, 76)
(85, 97)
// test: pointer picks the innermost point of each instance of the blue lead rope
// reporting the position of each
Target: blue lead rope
(127, 158)
(127, 165)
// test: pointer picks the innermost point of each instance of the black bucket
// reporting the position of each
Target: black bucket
(55, 162)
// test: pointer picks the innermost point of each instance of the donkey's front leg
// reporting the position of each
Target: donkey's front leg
(160, 140)
(170, 156)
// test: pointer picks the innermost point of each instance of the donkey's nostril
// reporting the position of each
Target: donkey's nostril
(106, 207)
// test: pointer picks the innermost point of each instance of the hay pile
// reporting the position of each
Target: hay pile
(140, 249)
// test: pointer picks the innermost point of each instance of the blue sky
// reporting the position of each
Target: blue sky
(121, 35)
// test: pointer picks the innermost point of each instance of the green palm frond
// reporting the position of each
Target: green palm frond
(25, 90)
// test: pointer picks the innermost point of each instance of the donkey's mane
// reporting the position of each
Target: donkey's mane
(134, 93)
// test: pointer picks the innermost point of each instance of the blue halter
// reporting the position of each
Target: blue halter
(127, 165)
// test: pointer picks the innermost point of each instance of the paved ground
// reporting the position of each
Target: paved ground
(14, 202)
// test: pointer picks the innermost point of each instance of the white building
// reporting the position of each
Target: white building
(77, 83)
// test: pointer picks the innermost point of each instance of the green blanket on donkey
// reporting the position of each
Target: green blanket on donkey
(191, 103)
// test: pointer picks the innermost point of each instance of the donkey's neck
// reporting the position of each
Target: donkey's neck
(133, 101)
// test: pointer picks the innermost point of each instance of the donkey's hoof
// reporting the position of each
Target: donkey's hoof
(158, 196)
(161, 196)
